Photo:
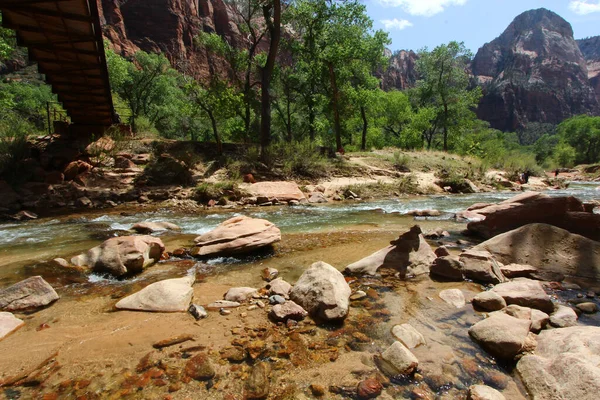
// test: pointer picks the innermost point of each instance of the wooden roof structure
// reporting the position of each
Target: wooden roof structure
(64, 37)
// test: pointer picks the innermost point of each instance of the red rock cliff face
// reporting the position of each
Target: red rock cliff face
(168, 26)
(533, 72)
(402, 72)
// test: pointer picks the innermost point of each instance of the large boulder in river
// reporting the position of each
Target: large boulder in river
(282, 191)
(323, 292)
(236, 236)
(122, 255)
(410, 254)
(481, 266)
(526, 293)
(28, 294)
(531, 207)
(501, 335)
(549, 249)
(170, 295)
(566, 364)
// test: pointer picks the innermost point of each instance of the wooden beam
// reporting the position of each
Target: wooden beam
(26, 10)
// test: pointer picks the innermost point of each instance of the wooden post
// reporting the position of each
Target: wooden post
(48, 112)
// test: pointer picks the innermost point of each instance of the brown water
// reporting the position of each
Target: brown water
(97, 350)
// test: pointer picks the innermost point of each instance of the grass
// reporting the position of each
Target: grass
(404, 185)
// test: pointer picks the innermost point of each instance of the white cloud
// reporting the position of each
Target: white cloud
(425, 8)
(396, 23)
(583, 7)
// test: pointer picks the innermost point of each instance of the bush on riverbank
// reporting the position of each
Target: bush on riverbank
(218, 191)
(404, 185)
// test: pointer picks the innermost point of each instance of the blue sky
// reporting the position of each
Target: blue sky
(414, 24)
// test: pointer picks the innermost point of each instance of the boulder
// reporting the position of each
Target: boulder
(563, 317)
(122, 255)
(565, 364)
(548, 248)
(280, 287)
(323, 292)
(28, 294)
(282, 191)
(240, 294)
(408, 335)
(539, 319)
(152, 227)
(410, 254)
(317, 198)
(518, 271)
(588, 307)
(237, 235)
(124, 163)
(170, 295)
(482, 392)
(442, 251)
(8, 324)
(481, 266)
(454, 297)
(75, 168)
(397, 360)
(526, 293)
(530, 207)
(447, 268)
(501, 335)
(489, 301)
(167, 170)
(288, 310)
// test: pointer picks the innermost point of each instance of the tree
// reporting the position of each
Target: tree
(444, 85)
(273, 23)
(583, 134)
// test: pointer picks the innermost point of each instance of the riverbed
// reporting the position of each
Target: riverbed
(97, 351)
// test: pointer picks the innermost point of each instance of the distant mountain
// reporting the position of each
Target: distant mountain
(533, 72)
(590, 48)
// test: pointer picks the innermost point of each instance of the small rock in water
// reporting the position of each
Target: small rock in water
(563, 317)
(8, 324)
(590, 295)
(442, 251)
(288, 310)
(408, 335)
(453, 297)
(276, 299)
(197, 311)
(223, 311)
(489, 301)
(587, 308)
(369, 388)
(317, 390)
(268, 274)
(397, 360)
(260, 304)
(358, 295)
(239, 294)
(280, 287)
(60, 262)
(482, 392)
(199, 368)
(30, 293)
(217, 305)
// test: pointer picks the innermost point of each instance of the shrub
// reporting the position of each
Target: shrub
(401, 161)
(14, 147)
(207, 191)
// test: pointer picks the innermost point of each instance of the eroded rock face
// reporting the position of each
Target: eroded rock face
(402, 73)
(549, 249)
(565, 361)
(533, 72)
(28, 294)
(122, 255)
(410, 254)
(323, 292)
(237, 235)
(590, 48)
(170, 295)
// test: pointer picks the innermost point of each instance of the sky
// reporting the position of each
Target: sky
(415, 24)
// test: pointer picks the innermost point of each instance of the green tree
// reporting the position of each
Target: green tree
(8, 42)
(444, 85)
(583, 134)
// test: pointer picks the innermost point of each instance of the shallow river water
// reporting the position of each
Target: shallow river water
(102, 348)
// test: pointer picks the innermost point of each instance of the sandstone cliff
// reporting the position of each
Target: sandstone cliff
(533, 72)
(590, 48)
(402, 72)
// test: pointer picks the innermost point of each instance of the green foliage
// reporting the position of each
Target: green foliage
(14, 148)
(583, 134)
(228, 190)
(401, 161)
(302, 159)
(8, 42)
(27, 100)
(565, 155)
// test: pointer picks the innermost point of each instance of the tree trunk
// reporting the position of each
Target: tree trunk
(445, 127)
(363, 145)
(213, 122)
(289, 122)
(267, 73)
(336, 111)
(311, 120)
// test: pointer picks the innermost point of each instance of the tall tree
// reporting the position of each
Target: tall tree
(445, 87)
(272, 16)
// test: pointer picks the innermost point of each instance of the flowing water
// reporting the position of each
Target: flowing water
(102, 347)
